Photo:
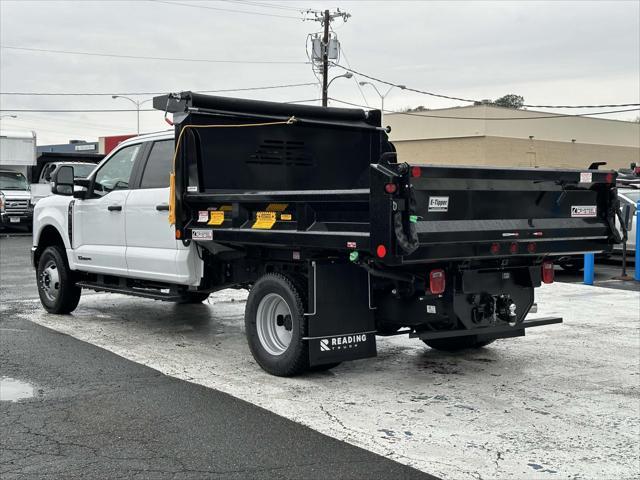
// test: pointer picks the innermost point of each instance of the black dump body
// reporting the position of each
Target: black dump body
(447, 254)
(317, 181)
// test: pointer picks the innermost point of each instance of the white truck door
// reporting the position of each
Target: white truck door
(99, 221)
(152, 250)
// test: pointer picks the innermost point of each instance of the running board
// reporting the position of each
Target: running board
(155, 295)
(502, 331)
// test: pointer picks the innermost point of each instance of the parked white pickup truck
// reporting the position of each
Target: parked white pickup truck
(121, 230)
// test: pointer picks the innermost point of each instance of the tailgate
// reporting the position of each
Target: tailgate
(468, 212)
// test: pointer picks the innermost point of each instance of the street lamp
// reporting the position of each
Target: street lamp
(344, 75)
(137, 104)
(382, 97)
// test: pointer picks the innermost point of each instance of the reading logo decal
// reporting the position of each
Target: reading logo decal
(341, 343)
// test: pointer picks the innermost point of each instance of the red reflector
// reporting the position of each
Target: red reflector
(436, 281)
(390, 188)
(416, 172)
(513, 248)
(381, 251)
(609, 178)
(495, 248)
(531, 248)
(547, 272)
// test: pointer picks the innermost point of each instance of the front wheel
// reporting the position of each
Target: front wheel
(275, 326)
(56, 287)
(455, 344)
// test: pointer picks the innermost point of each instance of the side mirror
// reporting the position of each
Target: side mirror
(626, 217)
(62, 181)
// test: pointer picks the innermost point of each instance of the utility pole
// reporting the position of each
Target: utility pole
(328, 47)
(325, 58)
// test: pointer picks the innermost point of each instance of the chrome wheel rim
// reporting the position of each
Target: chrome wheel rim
(274, 324)
(50, 281)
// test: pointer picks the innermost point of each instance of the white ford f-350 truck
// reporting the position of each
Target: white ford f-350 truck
(312, 211)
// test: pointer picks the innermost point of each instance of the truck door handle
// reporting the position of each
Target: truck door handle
(163, 207)
(114, 208)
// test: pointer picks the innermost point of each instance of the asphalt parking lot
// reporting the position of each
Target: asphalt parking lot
(130, 387)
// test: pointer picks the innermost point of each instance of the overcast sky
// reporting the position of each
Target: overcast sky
(549, 52)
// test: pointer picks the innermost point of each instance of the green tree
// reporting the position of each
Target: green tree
(510, 101)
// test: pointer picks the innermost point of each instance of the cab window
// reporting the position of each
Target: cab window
(116, 173)
(158, 167)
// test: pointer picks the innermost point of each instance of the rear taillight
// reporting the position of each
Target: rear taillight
(437, 281)
(513, 248)
(547, 272)
(416, 172)
(390, 188)
(495, 248)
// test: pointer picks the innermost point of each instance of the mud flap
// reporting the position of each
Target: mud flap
(341, 322)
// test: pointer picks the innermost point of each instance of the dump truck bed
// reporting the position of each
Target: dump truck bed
(299, 177)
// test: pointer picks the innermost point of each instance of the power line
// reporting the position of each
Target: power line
(206, 7)
(500, 119)
(246, 89)
(471, 100)
(266, 5)
(142, 57)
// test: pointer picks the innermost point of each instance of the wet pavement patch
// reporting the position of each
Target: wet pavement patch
(12, 390)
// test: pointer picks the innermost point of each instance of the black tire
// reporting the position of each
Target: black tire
(294, 358)
(455, 344)
(193, 297)
(56, 285)
(574, 266)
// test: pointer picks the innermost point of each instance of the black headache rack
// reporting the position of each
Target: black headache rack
(327, 179)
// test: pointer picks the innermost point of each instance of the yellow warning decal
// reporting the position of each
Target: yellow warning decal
(285, 216)
(265, 220)
(277, 207)
(216, 217)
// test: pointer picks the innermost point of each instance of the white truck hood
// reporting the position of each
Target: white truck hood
(17, 194)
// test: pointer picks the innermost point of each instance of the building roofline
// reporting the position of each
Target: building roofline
(499, 107)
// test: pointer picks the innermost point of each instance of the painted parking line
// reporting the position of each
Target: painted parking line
(561, 402)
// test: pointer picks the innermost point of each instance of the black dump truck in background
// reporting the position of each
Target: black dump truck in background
(338, 240)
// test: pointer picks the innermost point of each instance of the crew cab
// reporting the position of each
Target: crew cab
(311, 210)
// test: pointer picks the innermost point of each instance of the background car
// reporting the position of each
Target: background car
(629, 196)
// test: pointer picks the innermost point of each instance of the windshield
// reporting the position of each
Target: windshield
(13, 181)
(634, 196)
(82, 171)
